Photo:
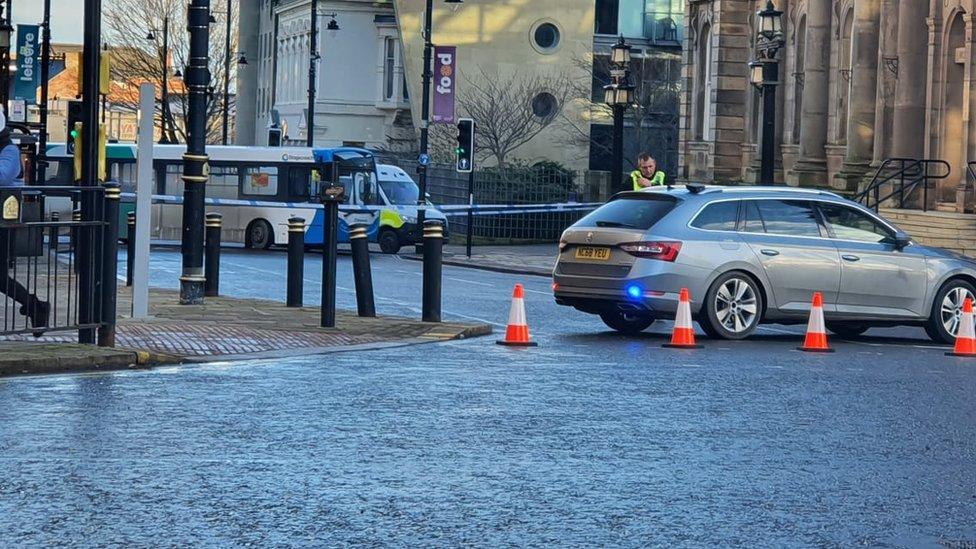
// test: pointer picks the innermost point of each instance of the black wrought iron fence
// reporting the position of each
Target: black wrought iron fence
(55, 277)
(541, 184)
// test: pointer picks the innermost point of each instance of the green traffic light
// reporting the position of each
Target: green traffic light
(74, 133)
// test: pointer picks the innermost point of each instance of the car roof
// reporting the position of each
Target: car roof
(713, 192)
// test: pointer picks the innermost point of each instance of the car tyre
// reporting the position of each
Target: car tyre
(389, 242)
(847, 330)
(946, 307)
(628, 324)
(733, 307)
(259, 235)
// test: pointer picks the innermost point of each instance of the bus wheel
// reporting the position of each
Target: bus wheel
(389, 241)
(259, 235)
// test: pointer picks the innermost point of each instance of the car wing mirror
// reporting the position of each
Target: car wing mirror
(902, 240)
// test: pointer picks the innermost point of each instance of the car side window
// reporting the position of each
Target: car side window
(789, 218)
(719, 216)
(751, 220)
(850, 224)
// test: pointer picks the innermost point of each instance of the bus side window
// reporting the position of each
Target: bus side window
(223, 182)
(299, 184)
(260, 181)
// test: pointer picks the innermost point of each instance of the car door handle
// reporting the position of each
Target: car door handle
(770, 253)
(851, 258)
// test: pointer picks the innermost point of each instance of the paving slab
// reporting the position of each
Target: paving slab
(531, 260)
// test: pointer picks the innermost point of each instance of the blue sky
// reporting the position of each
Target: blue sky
(66, 18)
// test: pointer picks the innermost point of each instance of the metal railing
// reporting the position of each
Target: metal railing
(55, 277)
(903, 177)
(510, 187)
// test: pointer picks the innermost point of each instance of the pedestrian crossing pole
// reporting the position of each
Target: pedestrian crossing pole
(196, 168)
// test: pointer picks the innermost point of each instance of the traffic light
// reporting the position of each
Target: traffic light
(274, 137)
(465, 147)
(74, 118)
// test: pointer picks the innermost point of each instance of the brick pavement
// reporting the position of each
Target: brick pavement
(228, 328)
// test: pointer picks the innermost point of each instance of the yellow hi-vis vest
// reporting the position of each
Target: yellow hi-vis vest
(635, 176)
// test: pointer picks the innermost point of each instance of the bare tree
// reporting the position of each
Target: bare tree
(651, 120)
(138, 59)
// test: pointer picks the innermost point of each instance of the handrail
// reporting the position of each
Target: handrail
(911, 173)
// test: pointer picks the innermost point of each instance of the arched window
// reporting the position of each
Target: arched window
(703, 84)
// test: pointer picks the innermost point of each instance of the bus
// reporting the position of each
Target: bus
(260, 188)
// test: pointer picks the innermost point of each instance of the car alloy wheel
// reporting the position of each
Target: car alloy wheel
(733, 307)
(736, 305)
(951, 309)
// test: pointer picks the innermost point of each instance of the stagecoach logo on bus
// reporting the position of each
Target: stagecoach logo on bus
(291, 157)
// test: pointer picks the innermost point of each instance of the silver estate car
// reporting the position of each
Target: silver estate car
(752, 255)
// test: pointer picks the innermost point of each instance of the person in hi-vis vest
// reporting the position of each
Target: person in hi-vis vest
(646, 174)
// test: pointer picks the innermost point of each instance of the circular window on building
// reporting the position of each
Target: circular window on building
(545, 37)
(545, 105)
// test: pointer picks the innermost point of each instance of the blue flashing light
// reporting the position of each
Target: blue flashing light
(634, 291)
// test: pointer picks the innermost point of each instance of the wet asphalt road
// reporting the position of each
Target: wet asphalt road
(590, 439)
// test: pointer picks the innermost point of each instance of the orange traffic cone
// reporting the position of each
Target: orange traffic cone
(966, 337)
(517, 333)
(816, 340)
(683, 335)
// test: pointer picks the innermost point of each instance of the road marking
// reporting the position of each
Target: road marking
(470, 282)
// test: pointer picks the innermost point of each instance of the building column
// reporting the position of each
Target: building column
(913, 52)
(246, 126)
(864, 93)
(811, 166)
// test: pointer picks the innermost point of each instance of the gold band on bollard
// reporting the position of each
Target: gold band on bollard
(296, 227)
(195, 178)
(76, 216)
(358, 232)
(198, 157)
(113, 193)
(213, 220)
(433, 232)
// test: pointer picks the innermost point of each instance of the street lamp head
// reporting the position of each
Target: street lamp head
(756, 73)
(333, 25)
(618, 95)
(211, 19)
(242, 60)
(178, 73)
(150, 36)
(771, 23)
(620, 53)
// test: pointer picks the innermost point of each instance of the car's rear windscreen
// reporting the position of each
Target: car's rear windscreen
(630, 213)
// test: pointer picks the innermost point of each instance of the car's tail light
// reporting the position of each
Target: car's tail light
(663, 251)
(562, 244)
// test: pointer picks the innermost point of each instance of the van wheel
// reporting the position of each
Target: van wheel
(259, 235)
(943, 323)
(733, 307)
(389, 241)
(625, 323)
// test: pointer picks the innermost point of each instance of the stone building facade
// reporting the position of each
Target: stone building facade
(860, 81)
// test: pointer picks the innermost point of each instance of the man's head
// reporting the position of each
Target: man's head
(646, 164)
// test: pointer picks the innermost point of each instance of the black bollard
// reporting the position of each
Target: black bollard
(433, 248)
(296, 261)
(211, 286)
(361, 271)
(329, 256)
(110, 266)
(53, 233)
(130, 246)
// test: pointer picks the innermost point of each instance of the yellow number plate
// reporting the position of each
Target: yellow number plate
(596, 254)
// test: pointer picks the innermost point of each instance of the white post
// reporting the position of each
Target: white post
(144, 190)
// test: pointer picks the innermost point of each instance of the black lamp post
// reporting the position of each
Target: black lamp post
(427, 75)
(45, 87)
(5, 32)
(619, 95)
(164, 95)
(314, 56)
(764, 74)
